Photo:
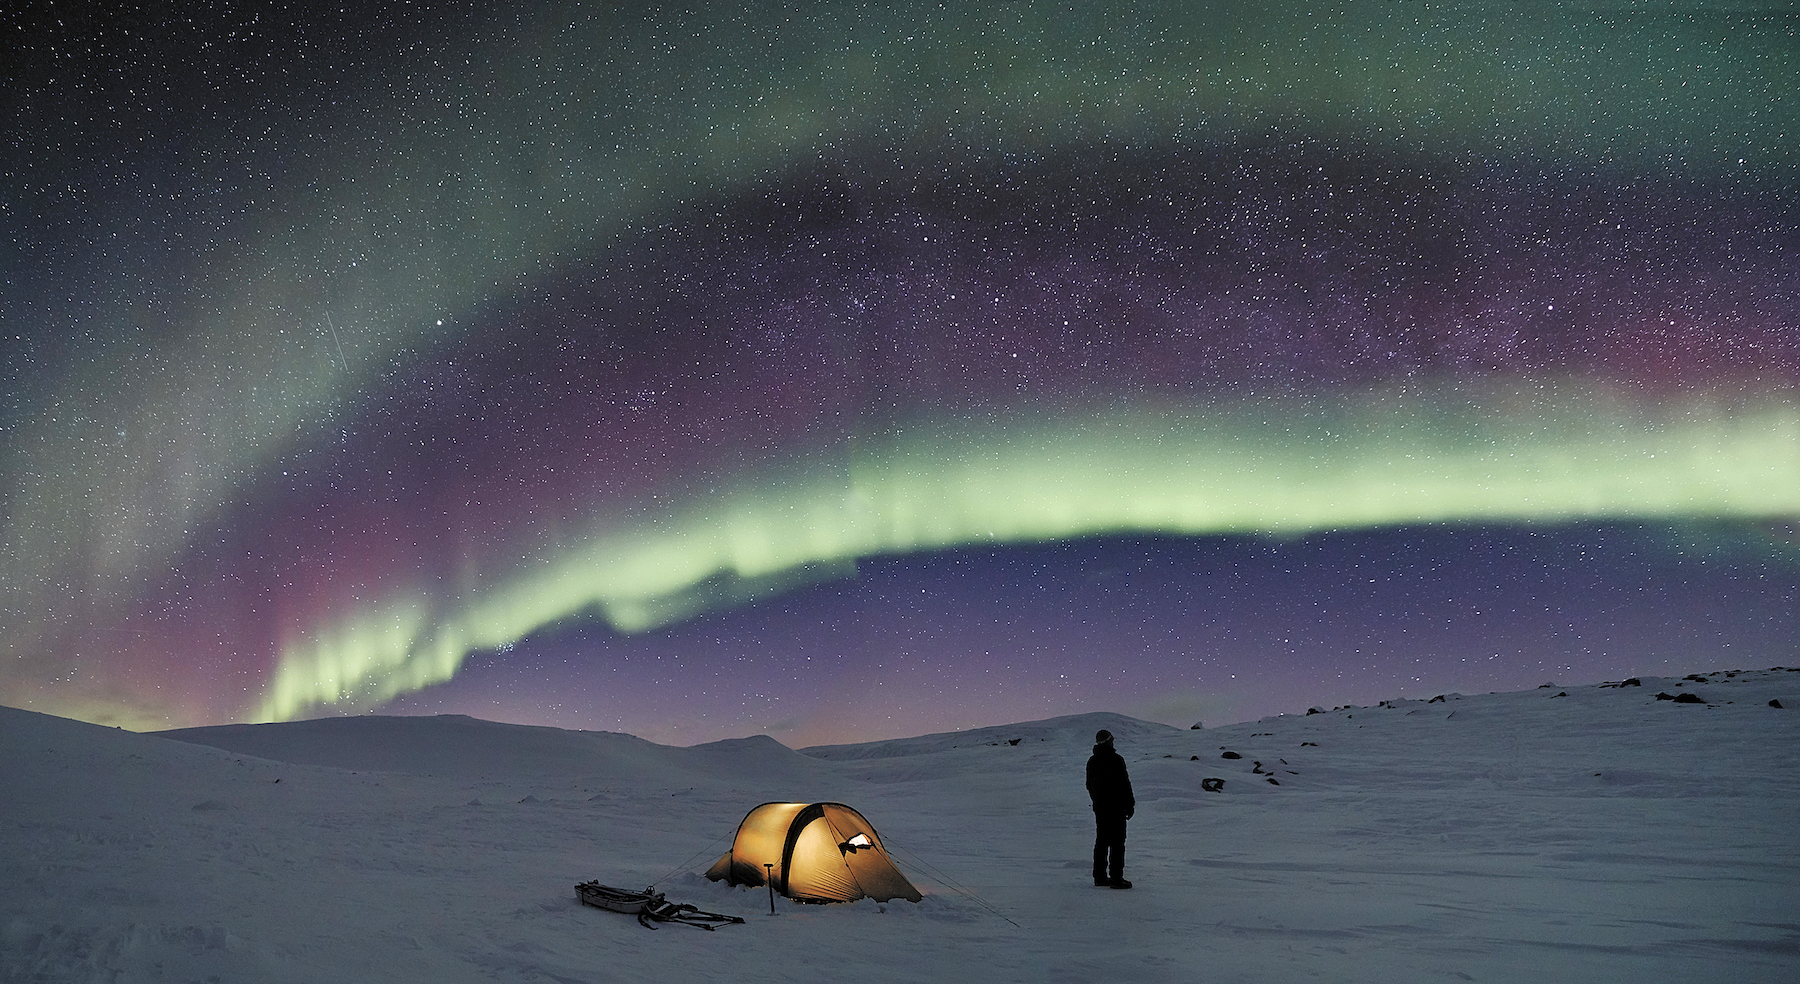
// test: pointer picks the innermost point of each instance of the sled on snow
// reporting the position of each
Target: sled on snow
(648, 906)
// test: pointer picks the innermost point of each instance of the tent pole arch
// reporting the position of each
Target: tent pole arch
(795, 827)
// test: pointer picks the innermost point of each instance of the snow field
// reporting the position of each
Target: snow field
(1599, 836)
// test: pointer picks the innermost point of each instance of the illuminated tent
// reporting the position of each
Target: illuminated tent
(817, 852)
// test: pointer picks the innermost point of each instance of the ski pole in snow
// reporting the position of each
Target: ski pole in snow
(769, 879)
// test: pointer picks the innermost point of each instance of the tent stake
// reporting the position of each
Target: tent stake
(769, 879)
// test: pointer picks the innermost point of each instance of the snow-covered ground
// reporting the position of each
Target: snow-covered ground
(1579, 833)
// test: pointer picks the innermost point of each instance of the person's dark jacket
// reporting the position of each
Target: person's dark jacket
(1108, 784)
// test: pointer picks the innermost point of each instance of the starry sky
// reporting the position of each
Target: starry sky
(848, 371)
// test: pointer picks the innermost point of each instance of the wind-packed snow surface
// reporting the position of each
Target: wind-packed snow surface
(1579, 833)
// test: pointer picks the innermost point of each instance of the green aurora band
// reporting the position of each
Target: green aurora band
(473, 166)
(1543, 455)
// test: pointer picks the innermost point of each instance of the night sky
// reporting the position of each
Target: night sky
(842, 372)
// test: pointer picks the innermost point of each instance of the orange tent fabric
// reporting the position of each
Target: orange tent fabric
(813, 852)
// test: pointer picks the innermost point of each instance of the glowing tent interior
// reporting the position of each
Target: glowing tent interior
(812, 852)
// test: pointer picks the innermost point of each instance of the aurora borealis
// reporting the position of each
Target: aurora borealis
(844, 372)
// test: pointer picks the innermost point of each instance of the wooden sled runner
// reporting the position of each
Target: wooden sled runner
(647, 906)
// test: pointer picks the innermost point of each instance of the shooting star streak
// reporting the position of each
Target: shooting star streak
(337, 341)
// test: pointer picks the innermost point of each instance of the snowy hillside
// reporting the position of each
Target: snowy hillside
(1574, 833)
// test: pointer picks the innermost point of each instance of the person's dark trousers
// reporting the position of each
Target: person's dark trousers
(1109, 846)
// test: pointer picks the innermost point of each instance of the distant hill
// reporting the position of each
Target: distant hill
(1074, 729)
(459, 745)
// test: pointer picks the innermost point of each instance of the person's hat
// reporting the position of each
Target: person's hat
(1103, 737)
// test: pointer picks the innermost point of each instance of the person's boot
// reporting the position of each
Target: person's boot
(1119, 883)
(1101, 881)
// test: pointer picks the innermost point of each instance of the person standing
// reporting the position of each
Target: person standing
(1109, 786)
